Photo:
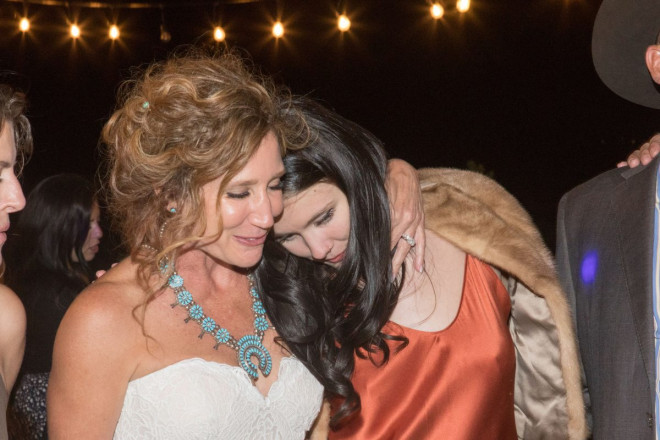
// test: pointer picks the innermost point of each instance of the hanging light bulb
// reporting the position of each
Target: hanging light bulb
(343, 23)
(463, 5)
(113, 33)
(165, 35)
(74, 31)
(219, 34)
(278, 29)
(24, 24)
(437, 11)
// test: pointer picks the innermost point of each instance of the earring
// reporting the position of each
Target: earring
(172, 210)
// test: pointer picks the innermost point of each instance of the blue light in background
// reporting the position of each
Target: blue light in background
(589, 267)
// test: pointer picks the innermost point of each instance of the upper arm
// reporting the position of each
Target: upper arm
(92, 364)
(566, 279)
(12, 335)
(321, 427)
(562, 255)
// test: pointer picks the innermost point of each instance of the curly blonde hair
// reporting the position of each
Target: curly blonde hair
(183, 123)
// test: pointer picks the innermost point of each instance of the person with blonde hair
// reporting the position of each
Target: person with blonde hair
(164, 344)
(15, 145)
(174, 341)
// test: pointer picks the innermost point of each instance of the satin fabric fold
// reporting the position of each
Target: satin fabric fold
(456, 383)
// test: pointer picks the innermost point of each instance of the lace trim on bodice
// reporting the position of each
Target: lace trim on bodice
(199, 399)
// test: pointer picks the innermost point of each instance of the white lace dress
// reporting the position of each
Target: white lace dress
(197, 399)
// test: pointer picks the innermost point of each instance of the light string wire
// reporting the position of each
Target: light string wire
(130, 5)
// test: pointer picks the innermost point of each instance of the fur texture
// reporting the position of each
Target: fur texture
(479, 216)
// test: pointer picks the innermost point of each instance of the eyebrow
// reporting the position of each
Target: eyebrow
(318, 214)
(4, 164)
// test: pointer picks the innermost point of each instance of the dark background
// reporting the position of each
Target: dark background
(509, 85)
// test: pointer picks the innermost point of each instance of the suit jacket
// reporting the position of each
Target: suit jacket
(604, 257)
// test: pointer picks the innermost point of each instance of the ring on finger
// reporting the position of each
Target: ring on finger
(409, 240)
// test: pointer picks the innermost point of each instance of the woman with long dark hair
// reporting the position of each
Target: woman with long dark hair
(58, 236)
(479, 345)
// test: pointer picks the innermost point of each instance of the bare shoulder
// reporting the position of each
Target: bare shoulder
(12, 335)
(104, 310)
(442, 251)
(12, 320)
(12, 313)
(100, 324)
(98, 346)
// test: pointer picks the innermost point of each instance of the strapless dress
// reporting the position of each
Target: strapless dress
(196, 399)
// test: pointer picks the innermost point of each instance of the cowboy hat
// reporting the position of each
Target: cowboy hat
(622, 32)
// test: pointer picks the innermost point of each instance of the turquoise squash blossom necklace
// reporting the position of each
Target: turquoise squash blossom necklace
(248, 346)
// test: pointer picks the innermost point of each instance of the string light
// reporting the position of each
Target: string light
(462, 5)
(436, 8)
(24, 24)
(114, 32)
(343, 23)
(74, 31)
(219, 34)
(165, 35)
(278, 29)
(437, 11)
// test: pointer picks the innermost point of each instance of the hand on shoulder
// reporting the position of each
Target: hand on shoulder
(645, 154)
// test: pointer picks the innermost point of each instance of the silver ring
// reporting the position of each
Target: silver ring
(409, 240)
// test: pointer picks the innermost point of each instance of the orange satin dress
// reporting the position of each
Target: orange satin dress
(452, 384)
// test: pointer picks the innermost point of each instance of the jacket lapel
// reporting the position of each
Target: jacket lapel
(634, 200)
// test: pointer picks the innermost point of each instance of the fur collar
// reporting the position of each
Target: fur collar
(477, 215)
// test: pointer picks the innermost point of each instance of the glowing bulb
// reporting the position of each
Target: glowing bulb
(437, 11)
(75, 31)
(278, 29)
(219, 34)
(24, 25)
(114, 32)
(463, 5)
(343, 23)
(165, 35)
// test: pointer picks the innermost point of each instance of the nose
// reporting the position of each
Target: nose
(319, 248)
(97, 232)
(263, 211)
(13, 199)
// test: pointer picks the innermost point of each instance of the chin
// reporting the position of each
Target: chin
(245, 261)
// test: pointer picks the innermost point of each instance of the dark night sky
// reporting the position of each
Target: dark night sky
(509, 85)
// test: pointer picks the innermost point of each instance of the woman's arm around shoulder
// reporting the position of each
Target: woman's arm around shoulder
(12, 335)
(94, 357)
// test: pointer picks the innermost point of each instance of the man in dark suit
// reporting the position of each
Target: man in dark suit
(608, 244)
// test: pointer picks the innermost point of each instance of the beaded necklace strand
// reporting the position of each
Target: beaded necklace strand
(248, 346)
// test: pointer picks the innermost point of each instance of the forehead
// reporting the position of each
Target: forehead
(7, 143)
(317, 193)
(266, 160)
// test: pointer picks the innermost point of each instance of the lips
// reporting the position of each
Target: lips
(337, 259)
(251, 241)
(3, 234)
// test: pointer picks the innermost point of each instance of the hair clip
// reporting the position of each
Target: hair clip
(145, 105)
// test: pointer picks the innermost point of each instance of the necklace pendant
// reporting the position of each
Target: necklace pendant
(250, 346)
